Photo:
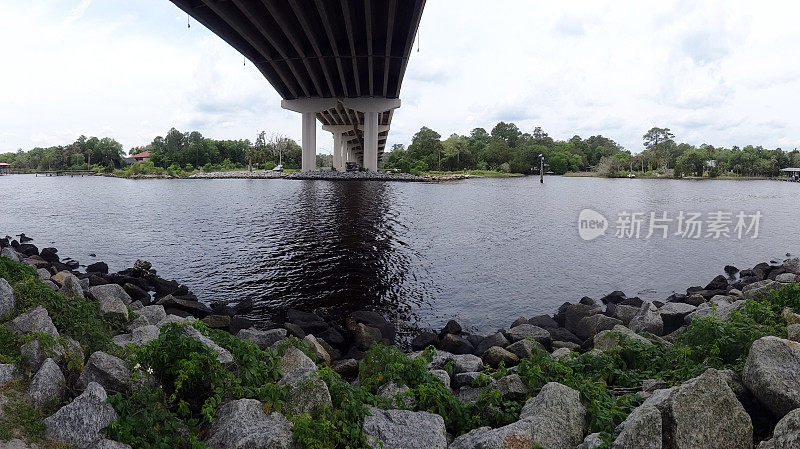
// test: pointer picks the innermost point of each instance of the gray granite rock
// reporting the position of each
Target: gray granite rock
(496, 355)
(262, 339)
(109, 292)
(79, 422)
(512, 387)
(47, 385)
(34, 353)
(607, 340)
(296, 367)
(647, 319)
(223, 355)
(71, 287)
(640, 430)
(309, 396)
(524, 331)
(523, 349)
(786, 434)
(32, 321)
(10, 253)
(153, 314)
(7, 371)
(591, 325)
(404, 429)
(463, 363)
(7, 297)
(112, 373)
(242, 424)
(772, 374)
(496, 339)
(442, 376)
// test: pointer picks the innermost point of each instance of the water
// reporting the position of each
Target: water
(484, 251)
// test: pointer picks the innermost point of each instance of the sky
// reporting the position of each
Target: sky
(718, 72)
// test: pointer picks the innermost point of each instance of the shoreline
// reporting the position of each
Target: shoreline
(349, 343)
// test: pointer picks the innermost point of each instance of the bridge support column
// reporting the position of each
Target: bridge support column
(309, 141)
(337, 151)
(371, 141)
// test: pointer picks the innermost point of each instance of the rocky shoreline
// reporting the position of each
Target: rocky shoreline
(719, 408)
(329, 175)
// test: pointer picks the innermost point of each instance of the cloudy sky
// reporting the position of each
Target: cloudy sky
(719, 72)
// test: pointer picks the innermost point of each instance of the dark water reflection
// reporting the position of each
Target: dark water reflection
(483, 251)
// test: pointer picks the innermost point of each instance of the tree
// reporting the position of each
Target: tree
(659, 141)
(507, 132)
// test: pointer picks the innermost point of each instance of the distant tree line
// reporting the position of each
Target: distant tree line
(506, 148)
(183, 150)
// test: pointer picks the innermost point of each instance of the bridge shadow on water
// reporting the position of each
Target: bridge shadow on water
(338, 247)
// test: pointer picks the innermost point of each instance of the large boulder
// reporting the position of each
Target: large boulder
(153, 314)
(109, 292)
(786, 434)
(704, 412)
(524, 331)
(772, 374)
(113, 308)
(496, 339)
(760, 289)
(423, 340)
(139, 336)
(495, 355)
(647, 319)
(296, 367)
(463, 363)
(242, 424)
(554, 419)
(10, 253)
(456, 344)
(318, 349)
(7, 298)
(223, 355)
(310, 396)
(363, 336)
(34, 353)
(574, 313)
(110, 372)
(71, 287)
(404, 429)
(79, 423)
(262, 339)
(608, 340)
(673, 314)
(640, 430)
(33, 321)
(523, 349)
(47, 385)
(512, 387)
(720, 308)
(591, 325)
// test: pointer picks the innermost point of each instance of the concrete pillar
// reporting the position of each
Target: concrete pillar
(309, 141)
(337, 151)
(371, 141)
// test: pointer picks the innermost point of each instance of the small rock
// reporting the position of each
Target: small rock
(34, 353)
(346, 368)
(758, 290)
(223, 355)
(793, 331)
(363, 336)
(640, 430)
(626, 313)
(786, 278)
(109, 292)
(310, 396)
(391, 391)
(463, 363)
(591, 325)
(71, 287)
(97, 267)
(6, 373)
(217, 321)
(789, 317)
(452, 327)
(560, 353)
(154, 314)
(318, 349)
(592, 441)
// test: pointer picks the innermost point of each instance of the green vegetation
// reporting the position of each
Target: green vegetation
(179, 383)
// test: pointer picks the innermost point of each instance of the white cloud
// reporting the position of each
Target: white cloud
(718, 72)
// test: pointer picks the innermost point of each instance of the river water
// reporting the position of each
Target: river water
(483, 251)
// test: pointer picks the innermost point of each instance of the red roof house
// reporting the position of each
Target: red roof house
(144, 156)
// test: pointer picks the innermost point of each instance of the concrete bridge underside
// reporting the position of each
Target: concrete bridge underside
(341, 62)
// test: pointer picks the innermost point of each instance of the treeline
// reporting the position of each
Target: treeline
(663, 156)
(82, 154)
(176, 150)
(506, 148)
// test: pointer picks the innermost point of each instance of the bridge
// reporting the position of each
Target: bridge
(341, 62)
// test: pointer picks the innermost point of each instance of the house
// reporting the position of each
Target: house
(5, 168)
(144, 156)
